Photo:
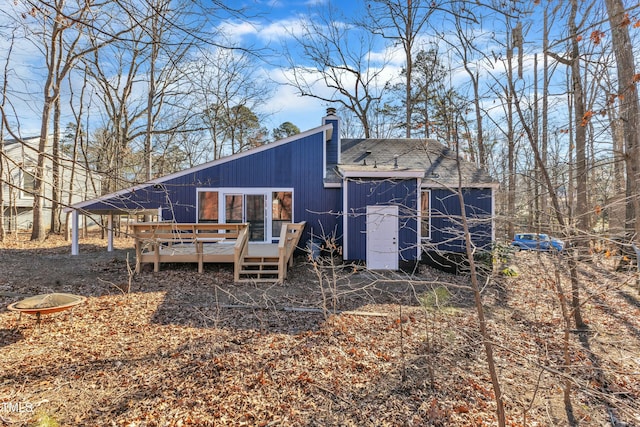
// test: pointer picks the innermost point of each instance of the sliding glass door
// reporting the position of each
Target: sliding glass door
(264, 209)
(248, 208)
(254, 215)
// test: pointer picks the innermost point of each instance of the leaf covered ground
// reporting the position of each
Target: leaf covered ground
(333, 346)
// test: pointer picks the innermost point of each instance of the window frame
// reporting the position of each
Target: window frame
(267, 192)
(422, 212)
(216, 220)
(24, 194)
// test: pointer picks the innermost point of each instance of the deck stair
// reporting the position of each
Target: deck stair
(259, 268)
(271, 266)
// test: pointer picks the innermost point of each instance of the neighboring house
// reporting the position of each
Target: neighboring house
(19, 160)
(385, 201)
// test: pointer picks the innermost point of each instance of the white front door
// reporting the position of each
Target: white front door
(382, 237)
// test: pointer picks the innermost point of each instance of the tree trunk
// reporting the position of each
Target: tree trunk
(545, 117)
(407, 50)
(582, 210)
(629, 114)
(56, 181)
(511, 192)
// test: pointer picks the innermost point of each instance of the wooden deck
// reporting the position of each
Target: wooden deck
(159, 243)
(213, 252)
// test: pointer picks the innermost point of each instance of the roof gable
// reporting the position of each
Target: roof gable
(326, 129)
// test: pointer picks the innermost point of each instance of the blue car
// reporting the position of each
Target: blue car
(536, 242)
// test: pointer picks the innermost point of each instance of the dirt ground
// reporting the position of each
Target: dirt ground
(335, 345)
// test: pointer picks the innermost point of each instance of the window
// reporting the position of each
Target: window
(28, 184)
(425, 214)
(265, 209)
(281, 210)
(208, 206)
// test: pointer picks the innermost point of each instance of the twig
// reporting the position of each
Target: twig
(112, 284)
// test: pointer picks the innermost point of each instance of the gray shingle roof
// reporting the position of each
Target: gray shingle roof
(438, 161)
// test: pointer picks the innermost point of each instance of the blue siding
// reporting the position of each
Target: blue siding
(446, 226)
(292, 165)
(333, 143)
(363, 193)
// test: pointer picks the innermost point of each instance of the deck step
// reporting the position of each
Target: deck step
(258, 271)
(256, 275)
(257, 264)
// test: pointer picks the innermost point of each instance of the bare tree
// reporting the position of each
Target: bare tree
(221, 81)
(402, 21)
(59, 31)
(339, 57)
(467, 52)
(3, 106)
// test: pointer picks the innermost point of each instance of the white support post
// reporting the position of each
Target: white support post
(110, 233)
(75, 247)
(159, 213)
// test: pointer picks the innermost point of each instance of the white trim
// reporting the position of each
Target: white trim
(26, 195)
(75, 247)
(203, 166)
(327, 136)
(421, 237)
(345, 221)
(390, 173)
(438, 185)
(109, 232)
(493, 214)
(332, 184)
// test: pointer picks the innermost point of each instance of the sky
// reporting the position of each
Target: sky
(272, 25)
(268, 28)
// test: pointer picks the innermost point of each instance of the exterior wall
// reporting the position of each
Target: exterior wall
(363, 193)
(297, 164)
(446, 226)
(333, 145)
(293, 165)
(18, 204)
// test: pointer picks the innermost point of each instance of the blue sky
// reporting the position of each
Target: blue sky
(271, 25)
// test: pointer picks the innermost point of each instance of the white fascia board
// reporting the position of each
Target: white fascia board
(431, 184)
(345, 222)
(327, 136)
(415, 173)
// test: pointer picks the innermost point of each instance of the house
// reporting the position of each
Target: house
(385, 201)
(19, 159)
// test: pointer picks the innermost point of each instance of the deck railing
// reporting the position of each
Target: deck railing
(159, 242)
(152, 237)
(289, 237)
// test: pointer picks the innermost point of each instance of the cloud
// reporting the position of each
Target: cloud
(282, 29)
(286, 104)
(237, 31)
